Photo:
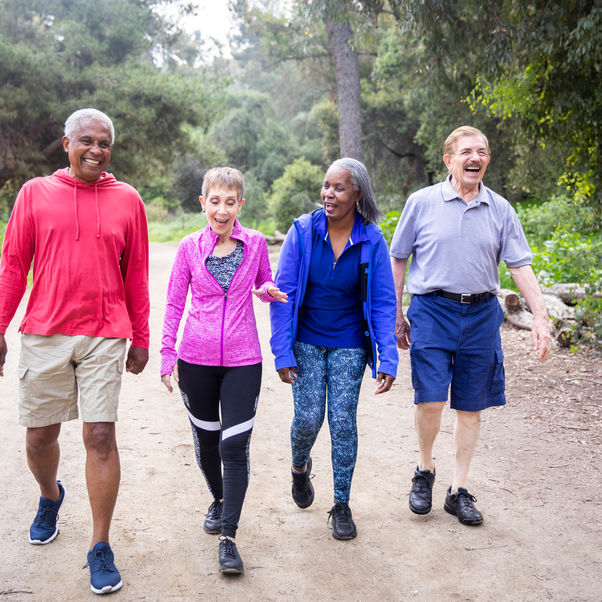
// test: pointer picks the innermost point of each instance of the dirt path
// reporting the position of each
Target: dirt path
(536, 474)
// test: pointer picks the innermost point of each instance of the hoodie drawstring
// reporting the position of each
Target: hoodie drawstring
(76, 218)
(97, 211)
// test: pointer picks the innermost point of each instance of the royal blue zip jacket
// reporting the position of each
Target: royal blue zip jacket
(378, 295)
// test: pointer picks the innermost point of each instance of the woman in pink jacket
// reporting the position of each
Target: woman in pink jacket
(218, 362)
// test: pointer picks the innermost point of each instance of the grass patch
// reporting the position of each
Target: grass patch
(174, 228)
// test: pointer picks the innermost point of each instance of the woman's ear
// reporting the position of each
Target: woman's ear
(240, 204)
(201, 202)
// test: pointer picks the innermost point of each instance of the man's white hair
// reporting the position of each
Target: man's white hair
(75, 120)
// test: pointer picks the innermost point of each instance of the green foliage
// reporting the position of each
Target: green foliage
(327, 118)
(388, 224)
(57, 56)
(550, 85)
(539, 220)
(571, 256)
(255, 209)
(566, 240)
(295, 192)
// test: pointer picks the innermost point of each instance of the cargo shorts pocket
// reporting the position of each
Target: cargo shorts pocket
(498, 380)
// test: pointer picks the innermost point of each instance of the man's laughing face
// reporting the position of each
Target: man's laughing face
(89, 150)
(468, 163)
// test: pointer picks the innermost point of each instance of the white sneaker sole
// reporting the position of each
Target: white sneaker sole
(107, 589)
(39, 542)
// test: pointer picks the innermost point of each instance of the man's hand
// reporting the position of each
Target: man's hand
(402, 332)
(529, 288)
(3, 352)
(540, 335)
(288, 375)
(383, 382)
(136, 360)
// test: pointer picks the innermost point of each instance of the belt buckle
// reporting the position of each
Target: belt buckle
(468, 296)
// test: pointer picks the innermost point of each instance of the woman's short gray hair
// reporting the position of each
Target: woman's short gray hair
(360, 180)
(75, 120)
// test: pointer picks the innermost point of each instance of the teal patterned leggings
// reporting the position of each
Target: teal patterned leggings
(339, 373)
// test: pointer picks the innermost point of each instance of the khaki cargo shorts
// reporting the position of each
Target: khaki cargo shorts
(54, 369)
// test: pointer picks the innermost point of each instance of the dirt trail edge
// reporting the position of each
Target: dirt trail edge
(536, 474)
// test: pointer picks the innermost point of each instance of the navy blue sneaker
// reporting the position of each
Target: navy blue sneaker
(44, 529)
(104, 576)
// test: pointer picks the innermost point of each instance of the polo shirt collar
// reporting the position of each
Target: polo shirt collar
(449, 193)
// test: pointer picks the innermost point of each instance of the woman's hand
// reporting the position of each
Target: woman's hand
(273, 292)
(166, 378)
(383, 382)
(288, 375)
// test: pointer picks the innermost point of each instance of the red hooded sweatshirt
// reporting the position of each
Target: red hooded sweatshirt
(89, 244)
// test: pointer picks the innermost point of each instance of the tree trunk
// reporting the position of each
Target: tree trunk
(347, 73)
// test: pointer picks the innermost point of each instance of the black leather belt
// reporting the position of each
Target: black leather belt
(466, 298)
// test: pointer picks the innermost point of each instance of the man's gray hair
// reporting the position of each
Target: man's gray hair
(360, 180)
(75, 120)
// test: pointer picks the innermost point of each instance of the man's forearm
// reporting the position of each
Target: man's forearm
(399, 275)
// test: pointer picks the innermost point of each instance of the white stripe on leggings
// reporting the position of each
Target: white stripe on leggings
(203, 424)
(238, 428)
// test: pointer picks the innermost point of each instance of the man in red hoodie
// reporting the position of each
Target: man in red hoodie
(87, 236)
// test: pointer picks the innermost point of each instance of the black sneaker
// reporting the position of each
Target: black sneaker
(462, 505)
(343, 526)
(229, 558)
(421, 494)
(303, 490)
(213, 522)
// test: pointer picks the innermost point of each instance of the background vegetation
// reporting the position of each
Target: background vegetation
(309, 80)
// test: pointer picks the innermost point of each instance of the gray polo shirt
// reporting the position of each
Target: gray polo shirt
(456, 246)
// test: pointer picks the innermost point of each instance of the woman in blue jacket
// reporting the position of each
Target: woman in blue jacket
(335, 268)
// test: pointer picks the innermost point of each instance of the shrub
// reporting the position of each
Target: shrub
(292, 194)
(388, 225)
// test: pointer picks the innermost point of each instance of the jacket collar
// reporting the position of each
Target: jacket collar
(238, 233)
(358, 233)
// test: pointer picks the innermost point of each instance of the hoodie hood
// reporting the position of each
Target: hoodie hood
(106, 179)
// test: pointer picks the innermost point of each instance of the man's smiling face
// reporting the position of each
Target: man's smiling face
(468, 163)
(89, 150)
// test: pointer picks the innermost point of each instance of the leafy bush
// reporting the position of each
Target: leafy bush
(570, 256)
(388, 225)
(566, 240)
(539, 219)
(293, 193)
(255, 208)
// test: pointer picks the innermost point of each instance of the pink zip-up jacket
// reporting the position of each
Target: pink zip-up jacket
(220, 329)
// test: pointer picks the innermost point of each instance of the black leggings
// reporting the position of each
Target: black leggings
(236, 389)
